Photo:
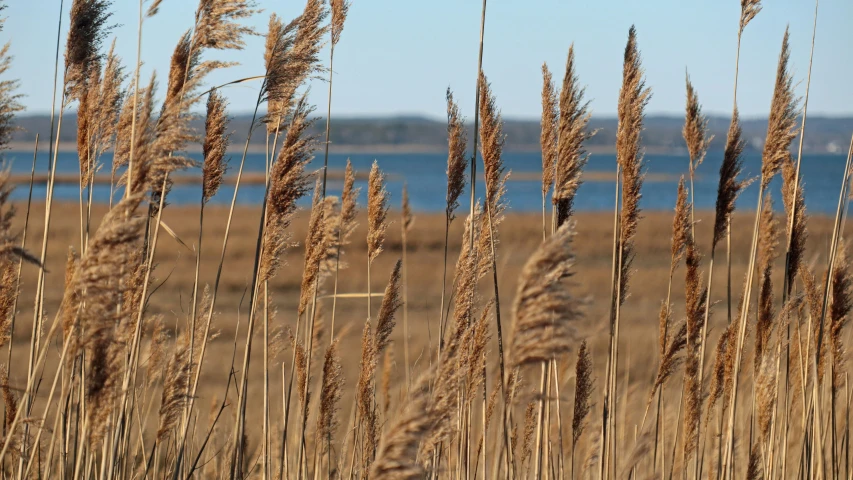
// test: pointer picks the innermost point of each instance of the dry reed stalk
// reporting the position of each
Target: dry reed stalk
(377, 212)
(406, 224)
(548, 137)
(545, 314)
(339, 10)
(88, 20)
(780, 133)
(346, 227)
(287, 183)
(456, 143)
(633, 98)
(768, 242)
(571, 157)
(696, 137)
(792, 196)
(214, 28)
(491, 138)
(695, 299)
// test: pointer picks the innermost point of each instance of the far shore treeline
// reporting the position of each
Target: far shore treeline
(422, 134)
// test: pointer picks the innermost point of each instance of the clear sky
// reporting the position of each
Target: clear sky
(399, 56)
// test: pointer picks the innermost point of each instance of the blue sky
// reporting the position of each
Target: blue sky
(399, 56)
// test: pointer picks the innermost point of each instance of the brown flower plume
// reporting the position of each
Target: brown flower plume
(377, 212)
(583, 391)
(695, 129)
(292, 56)
(340, 9)
(574, 131)
(86, 32)
(216, 140)
(748, 10)
(549, 129)
(768, 243)
(782, 123)
(546, 312)
(216, 25)
(491, 148)
(839, 315)
(288, 183)
(795, 206)
(330, 395)
(729, 187)
(633, 98)
(456, 142)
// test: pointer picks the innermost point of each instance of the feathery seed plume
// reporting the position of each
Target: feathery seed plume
(633, 98)
(377, 212)
(546, 312)
(288, 183)
(681, 231)
(293, 56)
(573, 131)
(330, 394)
(491, 148)
(349, 206)
(839, 315)
(87, 30)
(549, 129)
(340, 8)
(390, 304)
(408, 218)
(782, 122)
(748, 10)
(795, 205)
(767, 243)
(216, 140)
(583, 391)
(216, 25)
(695, 129)
(456, 143)
(729, 187)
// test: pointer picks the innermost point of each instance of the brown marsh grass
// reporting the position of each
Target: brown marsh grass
(136, 348)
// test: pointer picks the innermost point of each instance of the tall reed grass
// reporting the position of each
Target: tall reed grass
(109, 389)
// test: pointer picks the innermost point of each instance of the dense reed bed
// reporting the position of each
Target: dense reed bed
(303, 373)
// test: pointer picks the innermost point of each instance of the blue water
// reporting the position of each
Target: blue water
(425, 175)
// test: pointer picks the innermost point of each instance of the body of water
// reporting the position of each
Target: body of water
(424, 173)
